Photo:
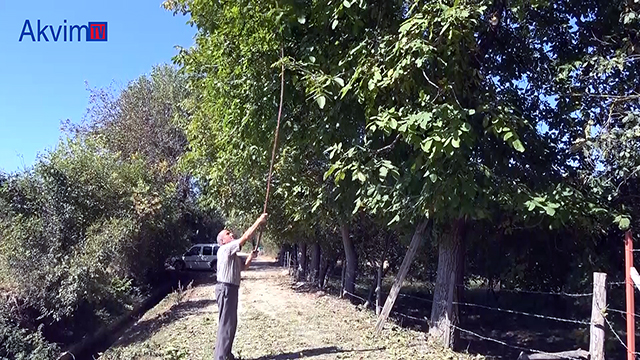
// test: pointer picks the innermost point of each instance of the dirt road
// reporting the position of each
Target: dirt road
(276, 321)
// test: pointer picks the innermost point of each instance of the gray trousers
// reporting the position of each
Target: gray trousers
(227, 298)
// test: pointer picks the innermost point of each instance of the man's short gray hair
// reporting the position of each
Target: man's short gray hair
(220, 235)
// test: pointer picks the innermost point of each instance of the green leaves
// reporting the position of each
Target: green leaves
(383, 172)
(629, 17)
(321, 100)
(359, 176)
(508, 135)
(518, 146)
(622, 221)
(423, 127)
(426, 145)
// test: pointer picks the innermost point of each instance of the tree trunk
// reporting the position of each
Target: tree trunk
(328, 265)
(372, 290)
(315, 264)
(293, 270)
(460, 271)
(302, 268)
(281, 256)
(344, 269)
(380, 276)
(351, 259)
(323, 271)
(444, 314)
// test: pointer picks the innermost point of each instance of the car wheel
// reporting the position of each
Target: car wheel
(213, 265)
(178, 265)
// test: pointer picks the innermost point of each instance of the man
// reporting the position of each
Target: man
(228, 276)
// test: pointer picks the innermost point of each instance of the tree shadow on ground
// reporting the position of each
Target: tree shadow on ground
(261, 264)
(143, 330)
(306, 287)
(312, 352)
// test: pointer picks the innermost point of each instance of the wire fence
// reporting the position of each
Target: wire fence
(482, 337)
(515, 312)
(621, 312)
(561, 293)
(615, 332)
(525, 313)
(533, 351)
(504, 310)
(556, 293)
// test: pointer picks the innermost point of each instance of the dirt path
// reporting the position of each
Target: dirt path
(276, 321)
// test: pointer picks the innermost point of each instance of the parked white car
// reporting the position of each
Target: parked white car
(199, 256)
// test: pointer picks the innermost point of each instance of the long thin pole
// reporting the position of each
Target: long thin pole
(275, 141)
(628, 257)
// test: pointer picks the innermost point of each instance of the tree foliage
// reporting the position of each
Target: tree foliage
(481, 115)
(86, 231)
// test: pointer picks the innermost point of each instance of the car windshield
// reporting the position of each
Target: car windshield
(193, 251)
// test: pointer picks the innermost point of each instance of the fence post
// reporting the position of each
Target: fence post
(628, 257)
(598, 303)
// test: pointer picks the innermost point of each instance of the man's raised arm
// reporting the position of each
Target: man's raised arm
(250, 231)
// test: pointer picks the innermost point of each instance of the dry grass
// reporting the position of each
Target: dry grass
(276, 321)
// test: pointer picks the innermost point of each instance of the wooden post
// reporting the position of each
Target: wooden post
(598, 304)
(404, 269)
(628, 257)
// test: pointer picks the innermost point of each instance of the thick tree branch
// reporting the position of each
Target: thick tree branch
(388, 147)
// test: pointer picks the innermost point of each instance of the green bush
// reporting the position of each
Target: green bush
(83, 231)
(21, 344)
(86, 231)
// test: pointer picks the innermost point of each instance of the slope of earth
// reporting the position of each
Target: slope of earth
(276, 321)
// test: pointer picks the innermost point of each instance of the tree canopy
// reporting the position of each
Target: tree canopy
(469, 113)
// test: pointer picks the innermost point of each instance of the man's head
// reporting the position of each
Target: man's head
(225, 236)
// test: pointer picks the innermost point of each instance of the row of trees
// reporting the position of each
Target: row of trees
(85, 232)
(498, 130)
(505, 133)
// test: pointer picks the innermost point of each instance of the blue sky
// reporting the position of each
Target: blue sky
(43, 83)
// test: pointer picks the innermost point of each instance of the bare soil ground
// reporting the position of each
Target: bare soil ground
(277, 320)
